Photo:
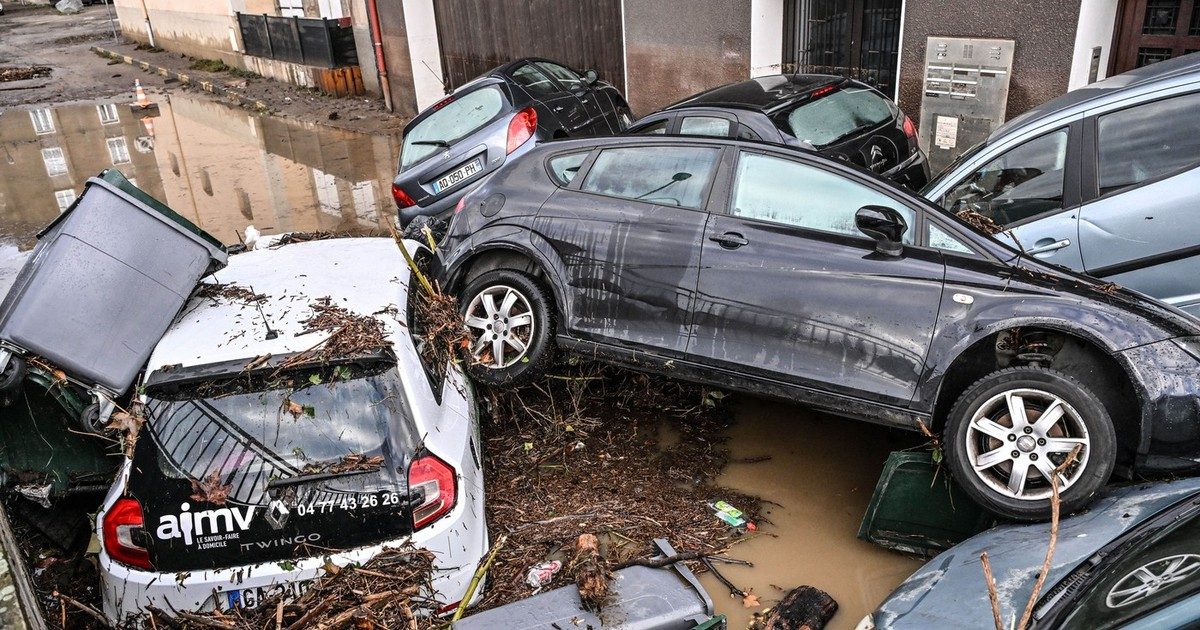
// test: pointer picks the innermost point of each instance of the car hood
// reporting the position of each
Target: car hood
(949, 590)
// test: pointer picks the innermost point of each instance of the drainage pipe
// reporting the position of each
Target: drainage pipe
(380, 64)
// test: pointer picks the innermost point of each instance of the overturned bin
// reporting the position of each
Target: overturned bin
(640, 598)
(101, 287)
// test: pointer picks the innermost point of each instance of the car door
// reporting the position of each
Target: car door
(628, 233)
(555, 97)
(1141, 228)
(1028, 187)
(593, 120)
(790, 289)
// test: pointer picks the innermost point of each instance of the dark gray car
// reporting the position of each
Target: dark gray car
(1105, 180)
(1131, 561)
(451, 146)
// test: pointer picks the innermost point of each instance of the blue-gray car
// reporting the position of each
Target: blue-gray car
(1131, 561)
(1103, 180)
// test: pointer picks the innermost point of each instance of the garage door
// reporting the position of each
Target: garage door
(478, 35)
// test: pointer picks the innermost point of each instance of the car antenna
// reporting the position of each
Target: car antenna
(445, 88)
(271, 332)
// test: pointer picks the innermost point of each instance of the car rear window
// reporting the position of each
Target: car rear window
(837, 115)
(457, 119)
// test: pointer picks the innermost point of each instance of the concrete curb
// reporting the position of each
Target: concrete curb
(208, 86)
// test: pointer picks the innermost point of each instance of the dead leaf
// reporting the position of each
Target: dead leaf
(750, 600)
(292, 407)
(210, 489)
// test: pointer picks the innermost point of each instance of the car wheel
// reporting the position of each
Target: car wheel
(511, 319)
(1009, 431)
(13, 373)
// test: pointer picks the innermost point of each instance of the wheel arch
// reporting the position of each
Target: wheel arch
(508, 255)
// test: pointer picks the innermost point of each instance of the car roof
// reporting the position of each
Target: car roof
(1182, 69)
(761, 93)
(362, 275)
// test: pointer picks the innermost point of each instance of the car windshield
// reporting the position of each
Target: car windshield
(455, 120)
(825, 120)
(254, 430)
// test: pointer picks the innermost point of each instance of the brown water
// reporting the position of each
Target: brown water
(819, 481)
(226, 168)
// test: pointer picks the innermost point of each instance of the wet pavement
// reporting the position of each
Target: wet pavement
(225, 168)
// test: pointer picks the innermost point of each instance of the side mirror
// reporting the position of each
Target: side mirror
(591, 77)
(883, 224)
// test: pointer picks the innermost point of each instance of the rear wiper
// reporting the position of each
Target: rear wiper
(432, 143)
(321, 476)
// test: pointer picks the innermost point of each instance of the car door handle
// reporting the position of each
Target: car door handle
(1045, 248)
(730, 240)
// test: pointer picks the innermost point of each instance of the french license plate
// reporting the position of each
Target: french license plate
(457, 175)
(250, 598)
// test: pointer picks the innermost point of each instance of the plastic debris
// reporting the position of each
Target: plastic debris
(541, 574)
(730, 515)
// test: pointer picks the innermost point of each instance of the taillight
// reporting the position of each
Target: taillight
(521, 128)
(124, 531)
(433, 480)
(910, 129)
(401, 197)
(822, 91)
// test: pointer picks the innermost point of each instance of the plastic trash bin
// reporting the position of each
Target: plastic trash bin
(103, 284)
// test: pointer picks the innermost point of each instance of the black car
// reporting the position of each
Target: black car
(452, 145)
(783, 272)
(839, 117)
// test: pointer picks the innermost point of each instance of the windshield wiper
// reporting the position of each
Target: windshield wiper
(321, 476)
(432, 143)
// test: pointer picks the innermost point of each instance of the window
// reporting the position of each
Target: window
(940, 239)
(746, 133)
(1148, 141)
(704, 126)
(108, 113)
(454, 121)
(566, 167)
(565, 76)
(534, 80)
(655, 129)
(778, 190)
(55, 161)
(328, 200)
(43, 121)
(827, 119)
(118, 150)
(1022, 183)
(64, 199)
(673, 176)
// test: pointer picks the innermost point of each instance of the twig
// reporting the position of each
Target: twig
(312, 613)
(92, 612)
(1054, 509)
(733, 590)
(993, 596)
(568, 517)
(412, 264)
(657, 563)
(205, 621)
(479, 573)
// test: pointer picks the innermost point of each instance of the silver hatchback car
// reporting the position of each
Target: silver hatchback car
(1104, 180)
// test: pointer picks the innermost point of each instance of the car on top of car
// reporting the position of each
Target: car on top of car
(1104, 179)
(842, 118)
(452, 145)
(262, 459)
(783, 272)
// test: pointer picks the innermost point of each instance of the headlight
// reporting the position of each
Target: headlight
(867, 623)
(1190, 345)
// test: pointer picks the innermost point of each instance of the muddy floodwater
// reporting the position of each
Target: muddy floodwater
(225, 168)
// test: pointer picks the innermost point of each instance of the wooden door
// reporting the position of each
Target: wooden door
(1155, 30)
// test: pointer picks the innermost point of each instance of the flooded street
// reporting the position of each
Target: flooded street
(815, 486)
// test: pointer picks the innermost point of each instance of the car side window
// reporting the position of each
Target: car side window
(704, 126)
(566, 167)
(657, 128)
(746, 133)
(1021, 183)
(1148, 141)
(938, 238)
(675, 176)
(563, 75)
(782, 191)
(534, 80)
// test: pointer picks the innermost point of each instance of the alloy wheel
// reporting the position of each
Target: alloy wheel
(1017, 439)
(502, 320)
(1150, 578)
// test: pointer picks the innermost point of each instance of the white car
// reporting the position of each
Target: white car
(221, 417)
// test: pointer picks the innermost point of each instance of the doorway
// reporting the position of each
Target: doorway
(859, 39)
(1149, 31)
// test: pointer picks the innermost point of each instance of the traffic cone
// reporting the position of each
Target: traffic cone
(148, 123)
(142, 101)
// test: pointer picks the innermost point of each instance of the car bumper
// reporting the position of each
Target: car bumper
(457, 541)
(442, 206)
(913, 173)
(1170, 388)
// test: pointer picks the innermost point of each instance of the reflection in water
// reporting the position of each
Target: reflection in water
(220, 167)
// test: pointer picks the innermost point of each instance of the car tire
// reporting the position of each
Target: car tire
(13, 374)
(530, 302)
(987, 442)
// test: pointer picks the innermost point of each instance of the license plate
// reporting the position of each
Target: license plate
(457, 175)
(251, 598)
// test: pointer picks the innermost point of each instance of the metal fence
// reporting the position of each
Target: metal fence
(308, 41)
(859, 39)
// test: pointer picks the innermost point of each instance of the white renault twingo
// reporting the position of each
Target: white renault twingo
(259, 463)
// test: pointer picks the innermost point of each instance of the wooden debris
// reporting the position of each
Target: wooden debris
(803, 608)
(591, 572)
